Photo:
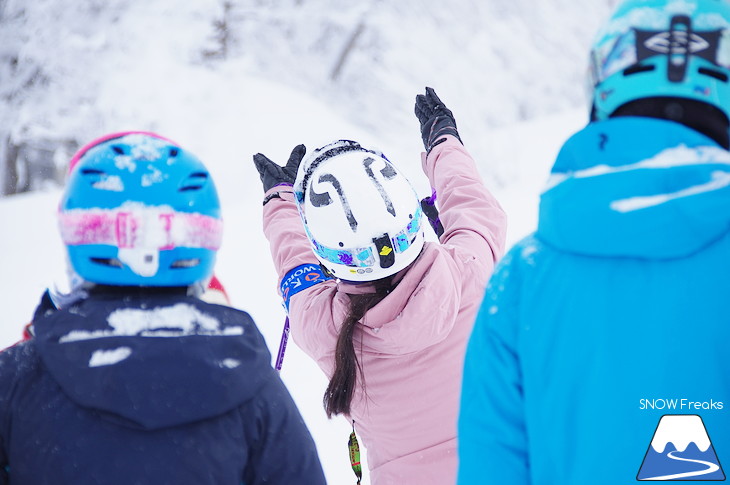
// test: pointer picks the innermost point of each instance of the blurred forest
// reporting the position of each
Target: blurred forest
(503, 60)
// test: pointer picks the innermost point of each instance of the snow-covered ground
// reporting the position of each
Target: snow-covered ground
(225, 132)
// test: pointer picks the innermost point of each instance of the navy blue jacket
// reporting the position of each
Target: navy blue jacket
(132, 386)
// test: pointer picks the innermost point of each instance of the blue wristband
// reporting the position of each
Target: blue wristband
(300, 278)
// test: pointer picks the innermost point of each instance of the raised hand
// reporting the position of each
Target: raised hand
(273, 174)
(436, 119)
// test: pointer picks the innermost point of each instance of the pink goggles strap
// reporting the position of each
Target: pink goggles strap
(131, 229)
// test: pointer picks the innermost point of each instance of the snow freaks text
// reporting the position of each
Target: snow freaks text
(680, 404)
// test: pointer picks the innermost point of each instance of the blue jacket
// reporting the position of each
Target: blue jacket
(613, 314)
(148, 387)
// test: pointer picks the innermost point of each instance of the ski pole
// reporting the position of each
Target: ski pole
(282, 345)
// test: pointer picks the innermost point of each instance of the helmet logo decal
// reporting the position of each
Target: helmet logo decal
(605, 94)
(388, 172)
(683, 42)
(324, 199)
(678, 44)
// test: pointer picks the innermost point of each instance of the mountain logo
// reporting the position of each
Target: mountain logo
(681, 450)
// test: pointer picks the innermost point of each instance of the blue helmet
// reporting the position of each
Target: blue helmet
(662, 48)
(139, 210)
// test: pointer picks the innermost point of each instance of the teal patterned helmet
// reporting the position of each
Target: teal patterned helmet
(662, 48)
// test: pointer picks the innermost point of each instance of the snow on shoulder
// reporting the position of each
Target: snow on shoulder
(180, 320)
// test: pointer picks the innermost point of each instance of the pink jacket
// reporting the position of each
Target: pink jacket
(413, 341)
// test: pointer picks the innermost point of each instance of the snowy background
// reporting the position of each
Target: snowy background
(228, 79)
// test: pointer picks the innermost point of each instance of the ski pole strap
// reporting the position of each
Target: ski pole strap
(428, 205)
(354, 448)
(282, 346)
(300, 278)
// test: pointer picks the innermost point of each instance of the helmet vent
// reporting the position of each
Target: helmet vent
(638, 68)
(174, 152)
(91, 171)
(720, 76)
(93, 175)
(195, 181)
(118, 149)
(185, 263)
(110, 262)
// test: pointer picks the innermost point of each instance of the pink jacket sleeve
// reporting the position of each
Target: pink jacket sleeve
(474, 222)
(283, 228)
(290, 248)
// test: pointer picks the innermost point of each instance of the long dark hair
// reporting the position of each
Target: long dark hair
(341, 389)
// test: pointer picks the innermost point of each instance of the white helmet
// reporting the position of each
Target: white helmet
(361, 215)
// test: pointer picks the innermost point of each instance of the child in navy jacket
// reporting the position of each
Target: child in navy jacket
(136, 380)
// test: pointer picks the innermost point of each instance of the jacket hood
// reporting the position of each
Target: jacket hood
(637, 187)
(152, 361)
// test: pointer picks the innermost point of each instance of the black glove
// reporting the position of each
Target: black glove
(273, 174)
(436, 119)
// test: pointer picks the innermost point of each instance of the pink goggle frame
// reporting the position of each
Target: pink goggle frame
(149, 228)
